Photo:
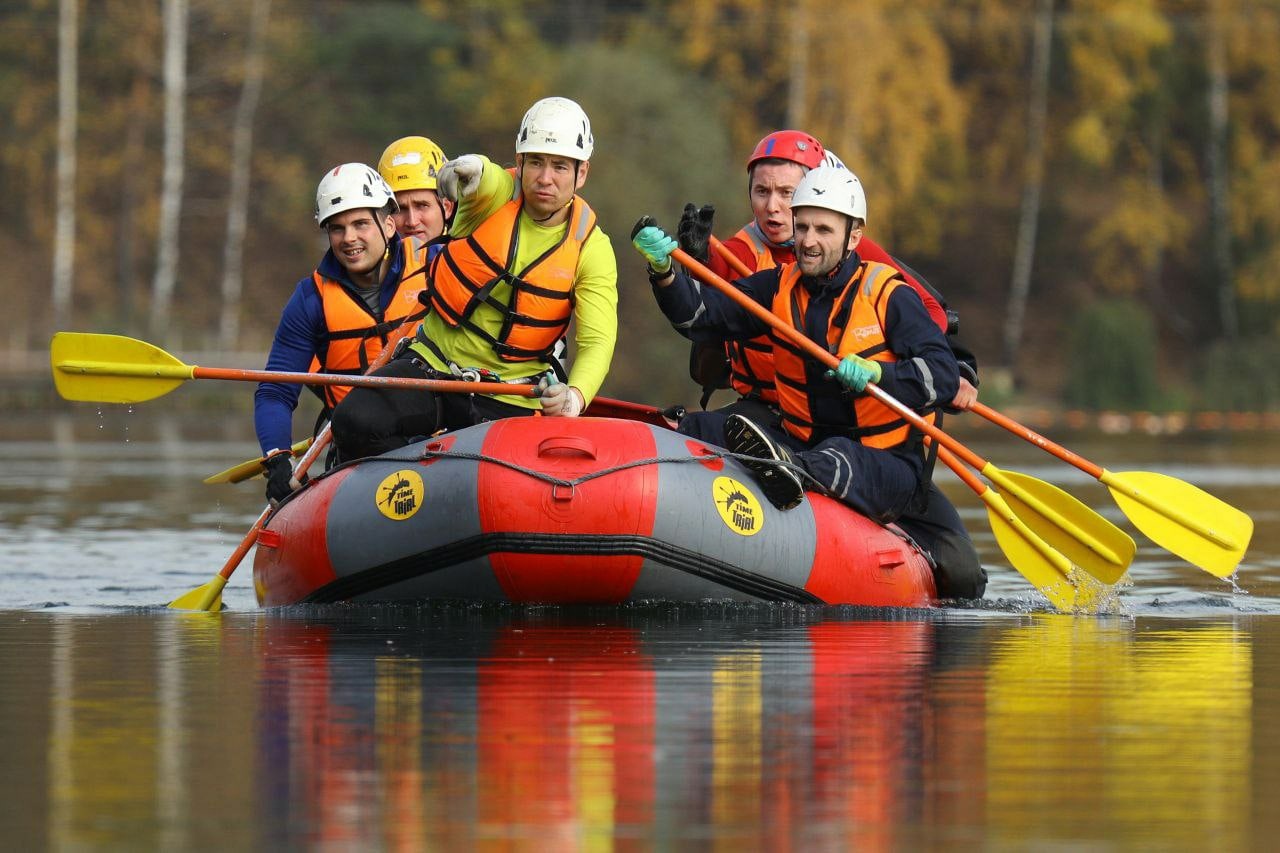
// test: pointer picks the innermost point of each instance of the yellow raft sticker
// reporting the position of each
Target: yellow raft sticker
(737, 506)
(400, 494)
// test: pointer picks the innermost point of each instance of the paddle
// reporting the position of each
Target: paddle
(1043, 566)
(208, 596)
(1179, 517)
(1099, 547)
(600, 407)
(117, 369)
(252, 467)
(1094, 544)
(607, 407)
(1019, 557)
(729, 257)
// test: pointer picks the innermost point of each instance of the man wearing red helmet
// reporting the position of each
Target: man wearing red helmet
(774, 170)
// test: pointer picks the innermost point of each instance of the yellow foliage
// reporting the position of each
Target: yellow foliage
(1090, 139)
(1130, 238)
(877, 84)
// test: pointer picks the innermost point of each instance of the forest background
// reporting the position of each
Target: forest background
(1093, 185)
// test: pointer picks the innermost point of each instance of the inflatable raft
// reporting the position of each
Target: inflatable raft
(572, 511)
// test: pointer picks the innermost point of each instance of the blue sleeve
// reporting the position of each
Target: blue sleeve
(298, 339)
(925, 374)
(703, 314)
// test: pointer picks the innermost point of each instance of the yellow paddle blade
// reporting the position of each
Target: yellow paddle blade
(252, 467)
(1182, 519)
(1086, 539)
(204, 597)
(112, 368)
(1045, 569)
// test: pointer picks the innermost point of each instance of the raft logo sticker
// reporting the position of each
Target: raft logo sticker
(737, 506)
(400, 494)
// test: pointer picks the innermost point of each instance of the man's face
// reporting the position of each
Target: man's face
(422, 214)
(549, 182)
(820, 239)
(772, 185)
(358, 239)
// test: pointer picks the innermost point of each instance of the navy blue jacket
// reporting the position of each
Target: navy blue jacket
(924, 375)
(303, 334)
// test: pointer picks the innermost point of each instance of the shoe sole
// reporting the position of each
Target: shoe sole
(780, 485)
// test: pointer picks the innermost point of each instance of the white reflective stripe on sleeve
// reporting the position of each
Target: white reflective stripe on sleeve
(926, 376)
(702, 309)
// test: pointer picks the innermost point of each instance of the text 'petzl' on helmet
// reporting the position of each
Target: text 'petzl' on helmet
(556, 126)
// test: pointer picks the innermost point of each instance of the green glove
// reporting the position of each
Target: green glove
(652, 242)
(855, 372)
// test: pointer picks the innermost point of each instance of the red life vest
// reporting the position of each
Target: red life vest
(465, 273)
(355, 335)
(751, 361)
(856, 327)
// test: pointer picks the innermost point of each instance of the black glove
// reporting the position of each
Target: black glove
(279, 473)
(694, 231)
(642, 222)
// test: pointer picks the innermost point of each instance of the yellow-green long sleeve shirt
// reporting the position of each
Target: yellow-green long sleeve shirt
(595, 292)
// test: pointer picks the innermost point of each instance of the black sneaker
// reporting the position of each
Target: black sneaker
(779, 482)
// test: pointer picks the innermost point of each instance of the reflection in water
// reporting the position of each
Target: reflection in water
(1152, 728)
(734, 727)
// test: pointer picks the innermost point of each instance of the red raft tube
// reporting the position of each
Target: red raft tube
(573, 511)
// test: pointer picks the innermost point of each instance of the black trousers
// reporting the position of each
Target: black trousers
(876, 483)
(937, 528)
(370, 421)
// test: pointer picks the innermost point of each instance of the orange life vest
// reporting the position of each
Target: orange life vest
(356, 335)
(465, 273)
(856, 327)
(751, 361)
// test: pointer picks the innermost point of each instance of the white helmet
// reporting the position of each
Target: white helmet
(555, 126)
(833, 189)
(349, 187)
(829, 158)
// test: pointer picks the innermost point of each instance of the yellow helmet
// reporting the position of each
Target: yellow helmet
(411, 163)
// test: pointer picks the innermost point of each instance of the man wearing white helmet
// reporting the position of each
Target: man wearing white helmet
(524, 259)
(339, 316)
(775, 168)
(831, 433)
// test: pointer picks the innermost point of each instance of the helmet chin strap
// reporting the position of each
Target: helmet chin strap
(386, 250)
(549, 215)
(848, 232)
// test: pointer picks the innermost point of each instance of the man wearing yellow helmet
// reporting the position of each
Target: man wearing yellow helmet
(410, 166)
(524, 259)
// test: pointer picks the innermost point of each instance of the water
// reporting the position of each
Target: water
(1002, 725)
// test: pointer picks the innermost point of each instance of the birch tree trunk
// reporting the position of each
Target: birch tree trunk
(1029, 217)
(798, 85)
(175, 91)
(241, 170)
(1219, 189)
(64, 239)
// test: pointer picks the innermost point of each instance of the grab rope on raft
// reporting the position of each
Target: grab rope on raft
(559, 482)
(577, 481)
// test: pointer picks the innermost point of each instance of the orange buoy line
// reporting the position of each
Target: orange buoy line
(1138, 422)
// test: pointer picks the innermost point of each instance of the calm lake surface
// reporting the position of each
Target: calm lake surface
(1003, 725)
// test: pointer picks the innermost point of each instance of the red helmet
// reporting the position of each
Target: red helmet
(794, 145)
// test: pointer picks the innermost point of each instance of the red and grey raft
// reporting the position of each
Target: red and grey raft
(573, 511)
